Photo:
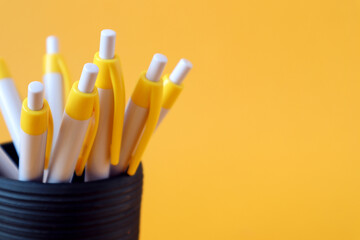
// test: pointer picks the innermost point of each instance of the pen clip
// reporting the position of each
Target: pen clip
(170, 93)
(65, 73)
(119, 110)
(49, 137)
(89, 137)
(111, 77)
(156, 91)
(54, 63)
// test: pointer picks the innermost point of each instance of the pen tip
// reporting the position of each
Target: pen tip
(180, 71)
(107, 44)
(156, 67)
(88, 78)
(35, 96)
(52, 45)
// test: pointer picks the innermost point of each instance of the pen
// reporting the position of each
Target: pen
(10, 104)
(110, 85)
(56, 81)
(173, 86)
(35, 135)
(8, 168)
(141, 116)
(78, 127)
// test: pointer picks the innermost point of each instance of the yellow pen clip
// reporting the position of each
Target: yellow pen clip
(55, 63)
(38, 122)
(87, 106)
(147, 94)
(49, 137)
(171, 92)
(111, 69)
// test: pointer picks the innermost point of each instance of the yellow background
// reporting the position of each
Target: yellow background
(264, 141)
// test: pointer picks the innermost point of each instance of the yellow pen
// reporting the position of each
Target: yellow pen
(56, 81)
(35, 135)
(173, 86)
(78, 127)
(141, 117)
(110, 85)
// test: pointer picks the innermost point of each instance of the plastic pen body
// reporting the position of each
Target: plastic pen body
(110, 85)
(98, 165)
(56, 81)
(32, 157)
(173, 86)
(10, 105)
(141, 116)
(36, 125)
(67, 149)
(134, 121)
(74, 128)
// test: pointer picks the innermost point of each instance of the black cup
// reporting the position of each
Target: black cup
(105, 209)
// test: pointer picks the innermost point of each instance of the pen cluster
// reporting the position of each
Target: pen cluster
(83, 127)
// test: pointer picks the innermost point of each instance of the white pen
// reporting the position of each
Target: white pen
(10, 104)
(111, 90)
(137, 115)
(8, 168)
(76, 123)
(56, 81)
(35, 134)
(173, 86)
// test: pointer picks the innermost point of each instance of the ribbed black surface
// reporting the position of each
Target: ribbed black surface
(107, 209)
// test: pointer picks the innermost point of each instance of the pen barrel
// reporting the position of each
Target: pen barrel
(106, 209)
(135, 119)
(32, 158)
(98, 164)
(67, 149)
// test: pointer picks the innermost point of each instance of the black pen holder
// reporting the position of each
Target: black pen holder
(105, 209)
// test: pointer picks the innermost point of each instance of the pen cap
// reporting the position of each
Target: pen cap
(99, 210)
